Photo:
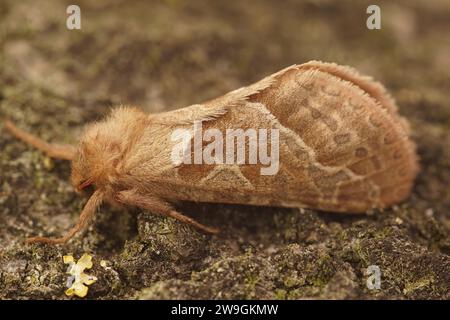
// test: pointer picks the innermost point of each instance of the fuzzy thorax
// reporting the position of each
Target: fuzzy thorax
(104, 147)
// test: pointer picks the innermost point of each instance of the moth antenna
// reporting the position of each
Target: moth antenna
(85, 217)
(59, 151)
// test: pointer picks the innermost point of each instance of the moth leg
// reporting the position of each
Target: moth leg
(59, 151)
(159, 206)
(85, 217)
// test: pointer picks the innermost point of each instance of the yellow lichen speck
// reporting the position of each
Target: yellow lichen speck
(78, 280)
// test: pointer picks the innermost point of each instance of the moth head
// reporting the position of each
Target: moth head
(102, 148)
(82, 176)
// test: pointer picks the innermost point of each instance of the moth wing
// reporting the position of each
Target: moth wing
(217, 107)
(338, 150)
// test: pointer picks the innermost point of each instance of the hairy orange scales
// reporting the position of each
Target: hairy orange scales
(343, 148)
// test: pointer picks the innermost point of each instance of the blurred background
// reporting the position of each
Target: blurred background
(162, 55)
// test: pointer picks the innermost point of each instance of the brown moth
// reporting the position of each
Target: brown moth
(342, 148)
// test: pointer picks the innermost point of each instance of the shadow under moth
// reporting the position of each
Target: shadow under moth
(342, 148)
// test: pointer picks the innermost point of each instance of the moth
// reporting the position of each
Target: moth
(343, 147)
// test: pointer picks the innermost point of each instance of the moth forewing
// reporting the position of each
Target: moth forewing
(340, 148)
